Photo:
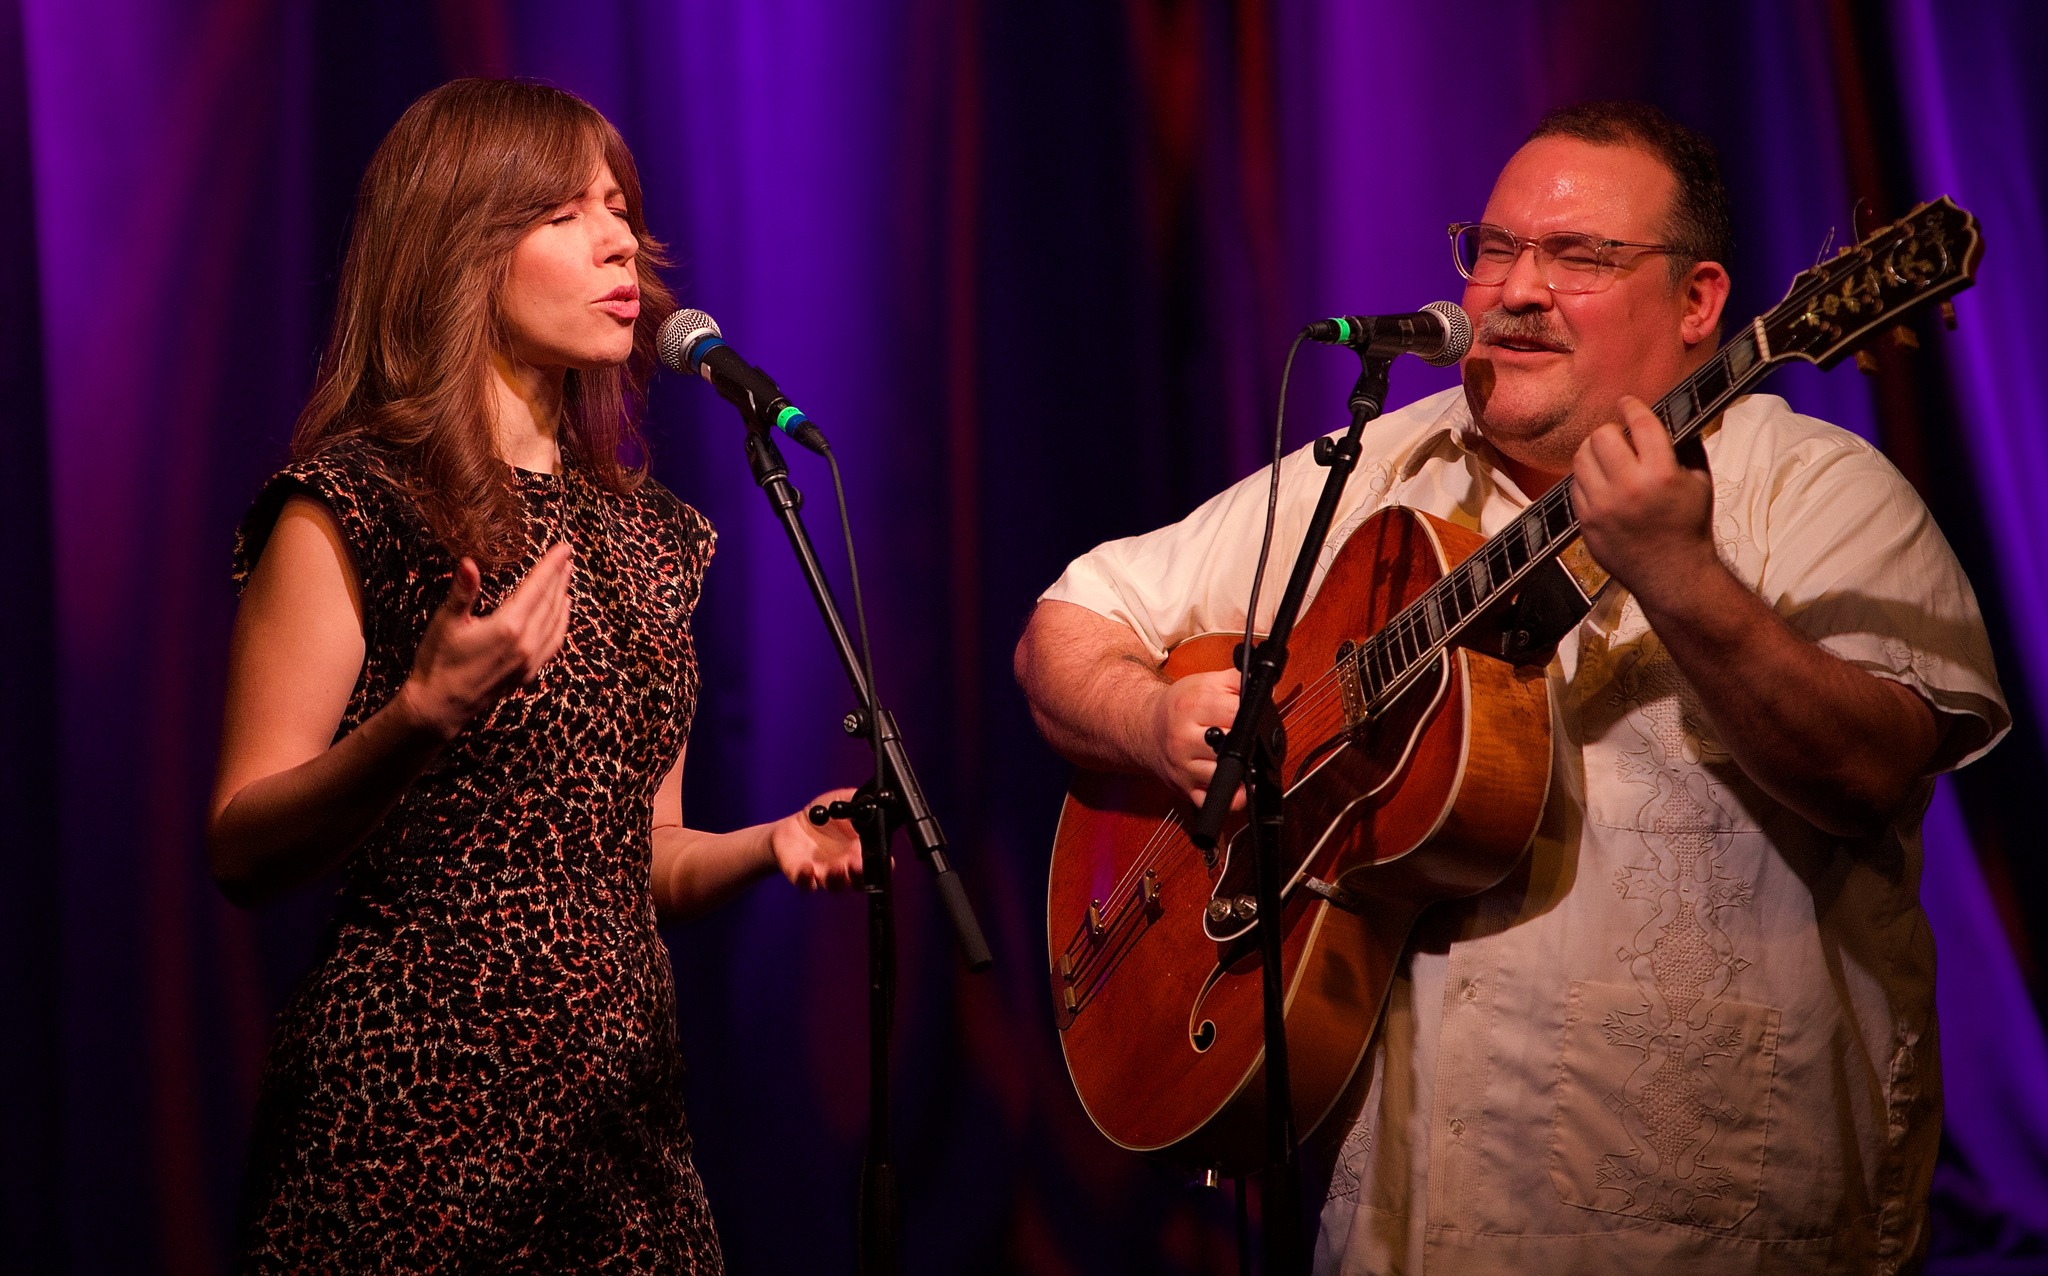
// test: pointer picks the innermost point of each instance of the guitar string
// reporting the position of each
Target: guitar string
(1314, 695)
(1409, 626)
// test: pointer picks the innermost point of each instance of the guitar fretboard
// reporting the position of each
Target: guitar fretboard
(1392, 658)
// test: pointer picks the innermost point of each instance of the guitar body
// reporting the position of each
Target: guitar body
(1434, 797)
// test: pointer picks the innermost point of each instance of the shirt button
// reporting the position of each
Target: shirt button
(1471, 991)
(1457, 1127)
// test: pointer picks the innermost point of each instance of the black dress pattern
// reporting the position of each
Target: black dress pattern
(482, 1072)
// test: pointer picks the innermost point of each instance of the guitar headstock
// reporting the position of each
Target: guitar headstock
(1831, 309)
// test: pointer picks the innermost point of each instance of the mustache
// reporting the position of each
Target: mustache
(1529, 325)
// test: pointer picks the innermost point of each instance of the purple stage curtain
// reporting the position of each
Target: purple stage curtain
(1974, 114)
(1034, 269)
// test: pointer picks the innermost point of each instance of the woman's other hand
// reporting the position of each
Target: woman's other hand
(811, 855)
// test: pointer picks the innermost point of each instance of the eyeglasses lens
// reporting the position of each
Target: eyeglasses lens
(1566, 262)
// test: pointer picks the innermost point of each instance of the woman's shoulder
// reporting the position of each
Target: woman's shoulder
(356, 480)
(663, 508)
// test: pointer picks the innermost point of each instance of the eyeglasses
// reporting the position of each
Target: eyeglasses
(1567, 261)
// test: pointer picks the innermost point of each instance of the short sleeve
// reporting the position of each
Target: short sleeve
(1856, 562)
(353, 488)
(1195, 576)
(1189, 577)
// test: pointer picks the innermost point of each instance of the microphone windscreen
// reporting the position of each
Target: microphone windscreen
(1457, 333)
(680, 333)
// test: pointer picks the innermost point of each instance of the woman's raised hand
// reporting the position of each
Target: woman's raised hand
(467, 663)
(814, 856)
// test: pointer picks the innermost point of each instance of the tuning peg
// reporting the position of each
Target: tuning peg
(1866, 363)
(1948, 315)
(1905, 337)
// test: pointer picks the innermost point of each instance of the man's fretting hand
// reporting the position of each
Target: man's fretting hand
(1646, 517)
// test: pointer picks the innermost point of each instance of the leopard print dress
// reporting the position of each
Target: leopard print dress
(482, 1071)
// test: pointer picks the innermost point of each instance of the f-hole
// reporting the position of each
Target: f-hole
(1204, 1035)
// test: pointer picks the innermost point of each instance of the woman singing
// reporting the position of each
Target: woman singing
(462, 673)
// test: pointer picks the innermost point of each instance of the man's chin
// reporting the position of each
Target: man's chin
(1506, 406)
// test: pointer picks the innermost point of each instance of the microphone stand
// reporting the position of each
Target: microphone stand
(890, 800)
(1252, 755)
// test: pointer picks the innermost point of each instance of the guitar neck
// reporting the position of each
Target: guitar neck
(1393, 657)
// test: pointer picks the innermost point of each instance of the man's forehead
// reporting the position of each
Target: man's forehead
(1563, 183)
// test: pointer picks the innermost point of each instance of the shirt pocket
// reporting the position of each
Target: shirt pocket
(1664, 1116)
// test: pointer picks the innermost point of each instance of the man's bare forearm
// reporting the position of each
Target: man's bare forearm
(1092, 687)
(1840, 746)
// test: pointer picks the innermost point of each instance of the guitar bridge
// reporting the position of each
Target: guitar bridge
(1350, 686)
(1148, 893)
(1336, 894)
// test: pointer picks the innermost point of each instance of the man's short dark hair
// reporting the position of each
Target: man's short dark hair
(1699, 228)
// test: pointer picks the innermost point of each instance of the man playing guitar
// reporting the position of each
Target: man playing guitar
(1696, 1024)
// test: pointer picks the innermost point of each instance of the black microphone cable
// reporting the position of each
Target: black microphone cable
(1244, 656)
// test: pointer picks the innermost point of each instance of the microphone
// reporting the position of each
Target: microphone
(690, 342)
(1439, 333)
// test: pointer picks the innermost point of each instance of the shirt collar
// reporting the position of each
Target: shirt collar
(1456, 438)
(1453, 435)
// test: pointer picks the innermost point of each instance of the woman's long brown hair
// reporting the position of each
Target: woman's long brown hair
(466, 172)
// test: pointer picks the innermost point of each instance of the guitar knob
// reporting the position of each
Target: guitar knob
(1246, 908)
(1905, 337)
(1219, 910)
(1866, 363)
(1948, 315)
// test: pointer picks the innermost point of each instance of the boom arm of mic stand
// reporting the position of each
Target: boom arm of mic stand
(913, 812)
